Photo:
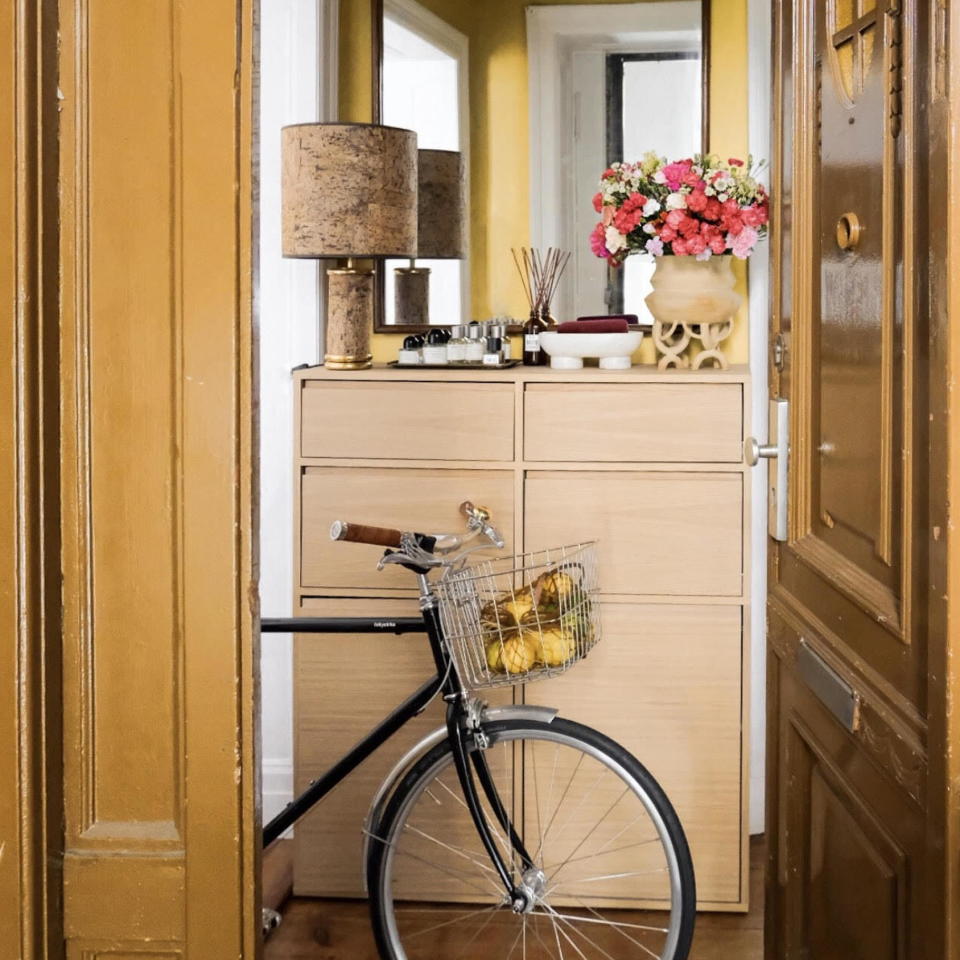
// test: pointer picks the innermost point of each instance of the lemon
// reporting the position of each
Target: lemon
(518, 654)
(555, 646)
(555, 585)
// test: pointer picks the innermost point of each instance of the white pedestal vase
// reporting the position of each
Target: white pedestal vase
(692, 300)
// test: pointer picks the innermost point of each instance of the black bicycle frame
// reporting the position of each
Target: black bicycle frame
(445, 682)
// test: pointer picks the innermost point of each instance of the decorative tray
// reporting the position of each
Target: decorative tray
(454, 366)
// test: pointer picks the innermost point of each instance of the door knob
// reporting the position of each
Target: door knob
(848, 231)
(753, 450)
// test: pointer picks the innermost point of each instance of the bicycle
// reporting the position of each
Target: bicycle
(449, 834)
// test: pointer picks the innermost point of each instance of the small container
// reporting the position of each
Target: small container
(475, 344)
(533, 356)
(435, 349)
(410, 352)
(493, 357)
(499, 329)
(457, 345)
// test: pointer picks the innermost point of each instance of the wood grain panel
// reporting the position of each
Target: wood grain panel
(651, 423)
(157, 477)
(423, 500)
(665, 682)
(665, 534)
(407, 421)
(344, 686)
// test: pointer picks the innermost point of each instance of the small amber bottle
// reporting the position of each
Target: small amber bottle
(533, 353)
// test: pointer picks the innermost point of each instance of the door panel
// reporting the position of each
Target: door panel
(848, 802)
(159, 595)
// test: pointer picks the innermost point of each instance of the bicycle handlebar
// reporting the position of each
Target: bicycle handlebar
(362, 533)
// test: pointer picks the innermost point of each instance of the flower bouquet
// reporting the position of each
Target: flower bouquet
(700, 207)
(693, 217)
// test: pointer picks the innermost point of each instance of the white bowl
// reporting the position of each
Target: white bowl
(613, 350)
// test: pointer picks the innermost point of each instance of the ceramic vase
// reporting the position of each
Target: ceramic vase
(692, 300)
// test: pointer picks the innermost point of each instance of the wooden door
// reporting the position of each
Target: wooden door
(156, 497)
(858, 690)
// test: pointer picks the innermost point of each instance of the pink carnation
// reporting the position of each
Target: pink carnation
(743, 243)
(598, 201)
(597, 244)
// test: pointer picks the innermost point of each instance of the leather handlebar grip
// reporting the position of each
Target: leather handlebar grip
(359, 533)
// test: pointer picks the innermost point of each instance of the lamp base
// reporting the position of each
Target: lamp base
(349, 319)
(412, 295)
(332, 362)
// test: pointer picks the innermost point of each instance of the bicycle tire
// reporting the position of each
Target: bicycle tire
(428, 770)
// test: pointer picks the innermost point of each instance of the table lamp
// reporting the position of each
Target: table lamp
(441, 232)
(349, 191)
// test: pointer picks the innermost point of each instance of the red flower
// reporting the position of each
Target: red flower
(696, 244)
(712, 209)
(697, 201)
(598, 201)
(734, 162)
(679, 247)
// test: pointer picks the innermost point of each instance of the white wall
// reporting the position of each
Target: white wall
(758, 13)
(294, 88)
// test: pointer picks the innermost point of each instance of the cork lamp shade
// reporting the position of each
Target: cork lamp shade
(349, 191)
(442, 205)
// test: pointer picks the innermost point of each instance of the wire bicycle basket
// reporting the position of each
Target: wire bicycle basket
(512, 620)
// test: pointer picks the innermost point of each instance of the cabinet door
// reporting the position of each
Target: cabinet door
(423, 500)
(660, 534)
(665, 682)
(344, 685)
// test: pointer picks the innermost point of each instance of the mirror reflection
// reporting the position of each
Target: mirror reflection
(538, 104)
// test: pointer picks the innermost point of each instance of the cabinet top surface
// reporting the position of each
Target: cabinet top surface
(738, 373)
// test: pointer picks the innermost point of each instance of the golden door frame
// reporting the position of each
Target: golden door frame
(129, 821)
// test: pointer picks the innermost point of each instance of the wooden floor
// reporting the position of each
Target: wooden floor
(335, 930)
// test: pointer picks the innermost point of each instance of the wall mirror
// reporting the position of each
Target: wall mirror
(538, 100)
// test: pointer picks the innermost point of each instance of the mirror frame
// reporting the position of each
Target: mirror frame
(376, 86)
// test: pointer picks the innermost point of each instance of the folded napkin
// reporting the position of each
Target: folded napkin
(597, 325)
(631, 318)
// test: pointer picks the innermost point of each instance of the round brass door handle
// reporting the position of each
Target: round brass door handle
(848, 231)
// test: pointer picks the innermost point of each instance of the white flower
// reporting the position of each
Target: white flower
(651, 207)
(705, 254)
(614, 239)
(649, 228)
(722, 197)
(658, 177)
(676, 201)
(709, 191)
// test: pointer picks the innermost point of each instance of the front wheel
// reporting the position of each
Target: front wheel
(611, 876)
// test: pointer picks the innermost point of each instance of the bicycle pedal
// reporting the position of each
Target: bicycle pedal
(269, 921)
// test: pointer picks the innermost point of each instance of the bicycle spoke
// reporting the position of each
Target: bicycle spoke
(483, 926)
(560, 801)
(447, 923)
(459, 851)
(580, 933)
(601, 853)
(607, 923)
(593, 830)
(553, 780)
(619, 926)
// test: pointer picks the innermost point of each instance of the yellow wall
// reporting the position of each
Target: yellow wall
(499, 144)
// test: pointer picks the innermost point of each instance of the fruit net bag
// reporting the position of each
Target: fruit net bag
(516, 619)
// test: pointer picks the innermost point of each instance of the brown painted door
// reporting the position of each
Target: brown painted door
(854, 714)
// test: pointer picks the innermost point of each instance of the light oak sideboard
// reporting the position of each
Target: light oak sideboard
(649, 463)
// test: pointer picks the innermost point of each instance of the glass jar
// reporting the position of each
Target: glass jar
(457, 345)
(476, 346)
(435, 350)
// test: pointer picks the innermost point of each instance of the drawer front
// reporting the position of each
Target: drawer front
(661, 534)
(422, 500)
(665, 681)
(634, 423)
(344, 686)
(407, 421)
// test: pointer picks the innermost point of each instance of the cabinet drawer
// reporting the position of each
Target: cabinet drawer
(407, 421)
(665, 681)
(661, 534)
(646, 422)
(422, 500)
(344, 686)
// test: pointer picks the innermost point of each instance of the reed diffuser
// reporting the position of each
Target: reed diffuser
(540, 275)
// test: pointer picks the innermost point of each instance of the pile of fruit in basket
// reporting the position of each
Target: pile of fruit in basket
(541, 624)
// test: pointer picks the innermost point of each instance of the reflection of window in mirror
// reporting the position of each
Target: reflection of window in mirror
(607, 82)
(672, 126)
(424, 80)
